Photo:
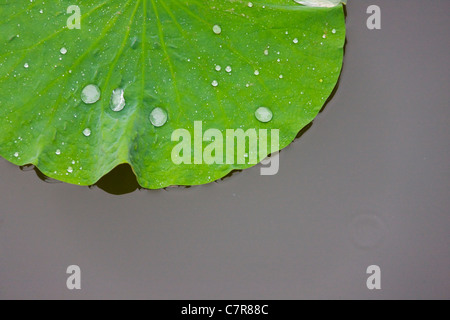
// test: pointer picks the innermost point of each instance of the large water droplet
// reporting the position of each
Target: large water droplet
(117, 102)
(90, 94)
(158, 117)
(263, 114)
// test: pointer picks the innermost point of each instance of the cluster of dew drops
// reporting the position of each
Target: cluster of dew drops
(158, 116)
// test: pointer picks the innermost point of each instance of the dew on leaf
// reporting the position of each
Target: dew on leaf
(87, 132)
(217, 29)
(158, 117)
(117, 102)
(90, 94)
(263, 114)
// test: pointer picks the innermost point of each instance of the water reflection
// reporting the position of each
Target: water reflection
(121, 180)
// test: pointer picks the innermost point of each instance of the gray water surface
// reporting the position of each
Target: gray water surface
(367, 184)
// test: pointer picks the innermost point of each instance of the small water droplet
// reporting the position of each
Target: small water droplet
(87, 132)
(26, 65)
(228, 69)
(117, 102)
(256, 72)
(16, 154)
(63, 51)
(217, 29)
(215, 83)
(135, 43)
(263, 114)
(58, 152)
(158, 117)
(69, 169)
(90, 94)
(295, 40)
(218, 68)
(333, 31)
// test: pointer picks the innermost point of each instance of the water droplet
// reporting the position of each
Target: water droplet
(16, 154)
(333, 31)
(90, 94)
(263, 114)
(87, 132)
(215, 83)
(256, 72)
(217, 29)
(218, 68)
(295, 40)
(250, 5)
(158, 117)
(26, 65)
(228, 69)
(117, 102)
(63, 50)
(135, 43)
(69, 169)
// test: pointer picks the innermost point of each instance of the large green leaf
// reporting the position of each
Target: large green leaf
(163, 54)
